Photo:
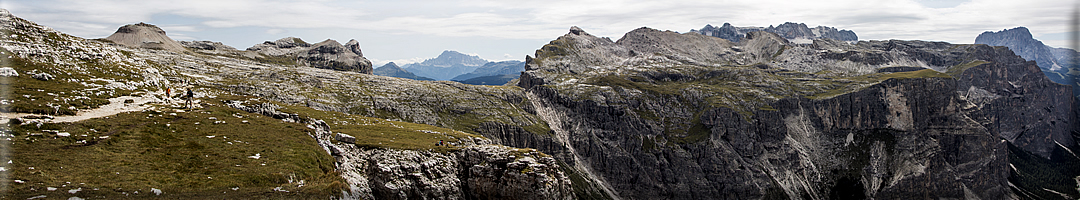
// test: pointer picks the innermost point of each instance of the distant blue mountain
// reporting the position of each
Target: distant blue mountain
(494, 68)
(392, 70)
(448, 65)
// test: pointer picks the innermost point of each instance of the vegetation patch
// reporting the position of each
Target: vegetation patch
(382, 133)
(213, 152)
(1033, 173)
(959, 69)
(69, 89)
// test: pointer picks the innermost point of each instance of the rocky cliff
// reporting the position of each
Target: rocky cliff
(798, 32)
(684, 116)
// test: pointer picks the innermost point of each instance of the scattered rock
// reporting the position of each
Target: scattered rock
(345, 138)
(42, 76)
(8, 72)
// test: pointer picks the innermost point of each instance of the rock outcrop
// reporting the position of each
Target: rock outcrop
(354, 46)
(143, 35)
(328, 54)
(207, 45)
(797, 32)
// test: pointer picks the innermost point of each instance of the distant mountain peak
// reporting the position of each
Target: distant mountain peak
(391, 69)
(447, 65)
(1020, 41)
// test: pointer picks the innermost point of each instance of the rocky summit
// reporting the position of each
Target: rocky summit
(653, 115)
(143, 35)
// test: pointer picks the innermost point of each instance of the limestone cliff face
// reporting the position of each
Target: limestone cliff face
(678, 116)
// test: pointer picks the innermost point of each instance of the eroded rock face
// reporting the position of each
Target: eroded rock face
(941, 134)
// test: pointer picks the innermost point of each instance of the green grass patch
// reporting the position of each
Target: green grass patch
(926, 73)
(382, 133)
(959, 69)
(66, 93)
(186, 155)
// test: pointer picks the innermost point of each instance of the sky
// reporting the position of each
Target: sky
(406, 31)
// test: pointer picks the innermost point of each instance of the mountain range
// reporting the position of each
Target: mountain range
(652, 115)
(796, 32)
(493, 73)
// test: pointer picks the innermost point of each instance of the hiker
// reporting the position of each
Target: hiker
(168, 94)
(190, 96)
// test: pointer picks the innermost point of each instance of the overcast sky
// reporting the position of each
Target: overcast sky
(408, 31)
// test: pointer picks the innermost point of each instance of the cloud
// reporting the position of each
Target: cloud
(181, 28)
(275, 31)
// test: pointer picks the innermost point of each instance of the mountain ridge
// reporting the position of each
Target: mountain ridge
(797, 32)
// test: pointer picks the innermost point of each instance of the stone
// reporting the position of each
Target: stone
(42, 76)
(8, 72)
(345, 138)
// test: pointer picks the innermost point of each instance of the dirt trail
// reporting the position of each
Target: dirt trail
(115, 106)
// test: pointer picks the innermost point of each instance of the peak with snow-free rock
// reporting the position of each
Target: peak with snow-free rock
(393, 70)
(1020, 41)
(143, 35)
(446, 66)
(795, 32)
(354, 46)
